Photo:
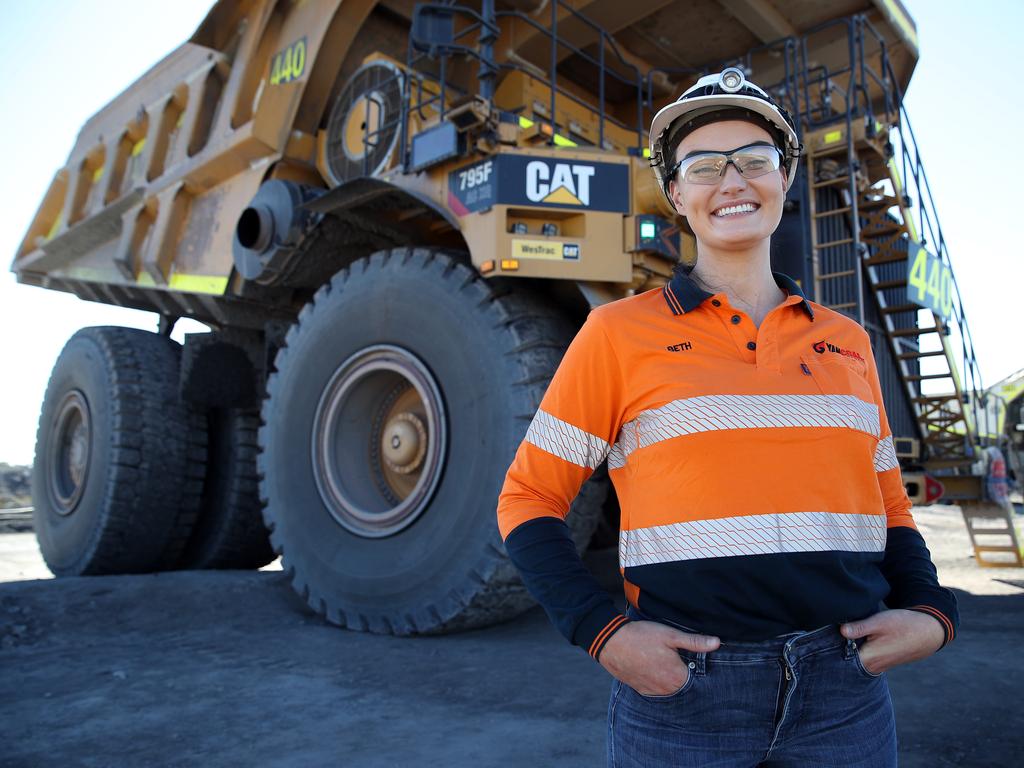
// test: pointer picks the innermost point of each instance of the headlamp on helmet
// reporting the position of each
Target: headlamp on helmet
(731, 80)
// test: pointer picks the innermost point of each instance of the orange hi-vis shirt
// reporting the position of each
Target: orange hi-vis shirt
(754, 466)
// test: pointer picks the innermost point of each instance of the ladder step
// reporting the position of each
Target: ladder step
(874, 205)
(834, 212)
(935, 399)
(837, 149)
(883, 285)
(833, 275)
(900, 308)
(886, 258)
(916, 355)
(991, 514)
(944, 424)
(834, 243)
(953, 418)
(831, 182)
(929, 376)
(993, 547)
(948, 439)
(844, 305)
(887, 229)
(913, 331)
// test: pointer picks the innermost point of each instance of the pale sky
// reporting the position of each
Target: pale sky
(65, 59)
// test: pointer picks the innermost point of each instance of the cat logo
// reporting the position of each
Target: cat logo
(564, 184)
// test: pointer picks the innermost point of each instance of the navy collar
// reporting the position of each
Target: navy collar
(684, 295)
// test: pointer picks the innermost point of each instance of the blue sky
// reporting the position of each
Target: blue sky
(67, 58)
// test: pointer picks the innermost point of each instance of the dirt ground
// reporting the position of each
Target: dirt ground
(228, 669)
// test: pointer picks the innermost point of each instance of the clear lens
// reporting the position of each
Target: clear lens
(751, 162)
(703, 169)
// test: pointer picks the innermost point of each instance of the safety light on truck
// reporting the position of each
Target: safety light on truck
(933, 490)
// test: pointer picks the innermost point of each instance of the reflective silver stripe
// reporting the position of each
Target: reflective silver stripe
(885, 455)
(752, 535)
(624, 445)
(713, 412)
(566, 441)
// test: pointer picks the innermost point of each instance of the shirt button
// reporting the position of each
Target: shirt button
(735, 319)
(751, 346)
(716, 302)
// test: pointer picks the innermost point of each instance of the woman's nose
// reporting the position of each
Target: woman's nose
(732, 179)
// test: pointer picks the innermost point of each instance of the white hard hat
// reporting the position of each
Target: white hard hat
(727, 95)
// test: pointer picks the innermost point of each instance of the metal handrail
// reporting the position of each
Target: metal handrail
(605, 41)
(482, 54)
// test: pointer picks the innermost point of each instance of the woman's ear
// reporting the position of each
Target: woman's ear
(675, 192)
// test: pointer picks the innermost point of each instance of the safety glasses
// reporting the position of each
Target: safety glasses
(751, 161)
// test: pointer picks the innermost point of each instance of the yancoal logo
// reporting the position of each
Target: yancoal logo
(561, 184)
(823, 346)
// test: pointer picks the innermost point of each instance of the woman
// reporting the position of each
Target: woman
(764, 519)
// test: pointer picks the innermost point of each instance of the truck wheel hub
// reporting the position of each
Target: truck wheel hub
(70, 452)
(378, 441)
(405, 443)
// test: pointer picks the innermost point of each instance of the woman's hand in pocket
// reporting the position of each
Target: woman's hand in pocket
(894, 637)
(645, 656)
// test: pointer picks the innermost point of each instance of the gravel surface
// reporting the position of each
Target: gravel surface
(228, 668)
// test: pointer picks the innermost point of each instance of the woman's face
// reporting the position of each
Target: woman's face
(705, 206)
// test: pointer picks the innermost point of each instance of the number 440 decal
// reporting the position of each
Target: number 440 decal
(930, 282)
(289, 64)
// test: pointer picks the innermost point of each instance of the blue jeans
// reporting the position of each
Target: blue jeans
(802, 699)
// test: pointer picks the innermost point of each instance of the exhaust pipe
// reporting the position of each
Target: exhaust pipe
(271, 229)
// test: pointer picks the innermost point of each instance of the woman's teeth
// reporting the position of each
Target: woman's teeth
(733, 209)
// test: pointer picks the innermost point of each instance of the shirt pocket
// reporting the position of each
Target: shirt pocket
(848, 395)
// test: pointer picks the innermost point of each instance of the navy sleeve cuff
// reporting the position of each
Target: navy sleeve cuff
(948, 630)
(597, 627)
(913, 581)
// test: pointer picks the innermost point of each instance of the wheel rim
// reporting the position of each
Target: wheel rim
(378, 441)
(70, 452)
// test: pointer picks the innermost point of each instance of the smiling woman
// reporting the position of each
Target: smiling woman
(728, 209)
(729, 366)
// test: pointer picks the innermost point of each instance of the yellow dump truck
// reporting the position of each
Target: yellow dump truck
(393, 216)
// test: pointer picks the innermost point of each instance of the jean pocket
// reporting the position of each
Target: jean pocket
(860, 664)
(676, 693)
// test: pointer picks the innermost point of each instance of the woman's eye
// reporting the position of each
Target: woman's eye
(708, 168)
(753, 163)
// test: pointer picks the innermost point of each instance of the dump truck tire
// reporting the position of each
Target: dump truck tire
(230, 533)
(119, 457)
(406, 362)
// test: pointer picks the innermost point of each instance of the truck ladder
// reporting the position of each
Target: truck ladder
(871, 211)
(948, 416)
